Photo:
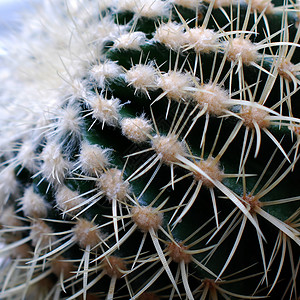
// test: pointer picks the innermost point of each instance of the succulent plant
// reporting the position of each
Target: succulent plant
(149, 150)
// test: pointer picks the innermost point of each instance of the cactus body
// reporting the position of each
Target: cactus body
(149, 150)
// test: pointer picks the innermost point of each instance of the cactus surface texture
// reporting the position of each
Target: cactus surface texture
(149, 150)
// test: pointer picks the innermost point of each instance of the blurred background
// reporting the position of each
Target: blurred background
(10, 11)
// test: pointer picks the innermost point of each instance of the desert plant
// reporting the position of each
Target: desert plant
(149, 149)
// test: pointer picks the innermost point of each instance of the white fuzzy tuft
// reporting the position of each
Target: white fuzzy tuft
(212, 96)
(69, 122)
(8, 217)
(288, 70)
(112, 184)
(8, 185)
(210, 168)
(103, 71)
(92, 159)
(152, 8)
(114, 266)
(105, 4)
(61, 267)
(142, 77)
(253, 115)
(54, 166)
(201, 40)
(126, 5)
(168, 147)
(33, 205)
(261, 5)
(243, 50)
(67, 199)
(41, 234)
(105, 110)
(178, 252)
(171, 35)
(146, 218)
(176, 85)
(136, 129)
(76, 89)
(107, 30)
(130, 41)
(27, 157)
(145, 8)
(86, 233)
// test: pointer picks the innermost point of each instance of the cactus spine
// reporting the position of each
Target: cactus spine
(149, 150)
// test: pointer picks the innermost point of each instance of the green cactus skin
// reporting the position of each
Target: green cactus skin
(149, 150)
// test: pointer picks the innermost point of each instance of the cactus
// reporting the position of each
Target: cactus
(149, 150)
